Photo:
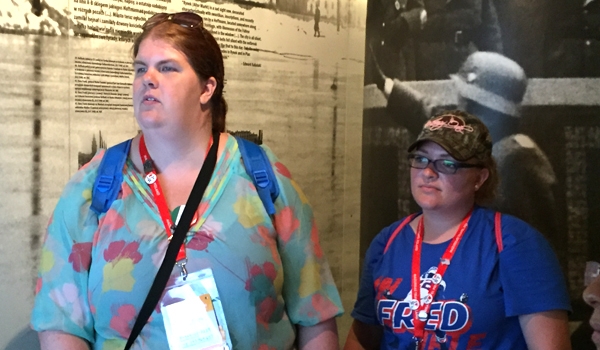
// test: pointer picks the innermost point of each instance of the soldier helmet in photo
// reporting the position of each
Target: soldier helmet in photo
(492, 80)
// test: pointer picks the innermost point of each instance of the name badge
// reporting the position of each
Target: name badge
(193, 314)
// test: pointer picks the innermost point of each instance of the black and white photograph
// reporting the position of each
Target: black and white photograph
(530, 72)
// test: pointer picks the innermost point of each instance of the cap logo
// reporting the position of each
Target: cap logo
(448, 122)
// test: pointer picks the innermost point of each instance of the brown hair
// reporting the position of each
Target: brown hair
(487, 191)
(202, 52)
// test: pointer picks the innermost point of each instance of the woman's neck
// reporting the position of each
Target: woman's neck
(440, 226)
(177, 152)
(177, 161)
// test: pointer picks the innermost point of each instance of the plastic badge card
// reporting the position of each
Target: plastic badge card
(193, 314)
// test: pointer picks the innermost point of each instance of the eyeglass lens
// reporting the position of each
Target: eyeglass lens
(444, 166)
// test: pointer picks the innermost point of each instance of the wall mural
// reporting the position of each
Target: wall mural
(293, 79)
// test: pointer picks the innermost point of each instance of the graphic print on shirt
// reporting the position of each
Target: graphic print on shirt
(446, 317)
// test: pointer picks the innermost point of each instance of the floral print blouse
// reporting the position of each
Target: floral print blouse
(271, 274)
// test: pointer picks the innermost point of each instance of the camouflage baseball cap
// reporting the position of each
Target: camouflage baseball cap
(462, 135)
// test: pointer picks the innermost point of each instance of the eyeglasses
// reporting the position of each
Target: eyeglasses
(592, 270)
(444, 166)
(184, 19)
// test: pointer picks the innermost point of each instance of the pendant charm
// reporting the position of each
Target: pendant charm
(417, 342)
(148, 166)
(413, 304)
(181, 264)
(428, 299)
(437, 278)
(150, 178)
(422, 315)
(441, 340)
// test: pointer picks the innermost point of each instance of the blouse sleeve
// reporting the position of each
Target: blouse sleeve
(310, 293)
(61, 301)
(531, 277)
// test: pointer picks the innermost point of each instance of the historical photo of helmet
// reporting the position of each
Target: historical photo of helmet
(505, 62)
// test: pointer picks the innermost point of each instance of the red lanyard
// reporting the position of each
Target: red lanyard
(152, 180)
(421, 309)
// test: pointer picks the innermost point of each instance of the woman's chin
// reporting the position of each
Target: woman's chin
(427, 202)
(148, 120)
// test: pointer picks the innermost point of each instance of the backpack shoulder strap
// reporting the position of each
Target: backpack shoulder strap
(498, 231)
(259, 168)
(110, 175)
(397, 230)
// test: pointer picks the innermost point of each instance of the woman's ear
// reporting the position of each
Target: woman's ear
(208, 89)
(483, 175)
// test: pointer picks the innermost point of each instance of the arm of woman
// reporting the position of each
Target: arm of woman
(363, 336)
(533, 285)
(320, 336)
(56, 340)
(310, 294)
(548, 330)
(62, 311)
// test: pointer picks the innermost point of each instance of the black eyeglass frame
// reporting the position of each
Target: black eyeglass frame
(438, 164)
(185, 19)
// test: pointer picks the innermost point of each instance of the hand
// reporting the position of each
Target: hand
(322, 336)
(423, 18)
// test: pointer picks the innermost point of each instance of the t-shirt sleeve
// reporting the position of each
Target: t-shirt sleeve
(61, 301)
(364, 307)
(309, 290)
(531, 277)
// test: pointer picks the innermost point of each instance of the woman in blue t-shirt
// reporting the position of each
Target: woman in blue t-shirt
(458, 275)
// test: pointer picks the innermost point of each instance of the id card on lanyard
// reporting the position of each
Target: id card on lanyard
(193, 314)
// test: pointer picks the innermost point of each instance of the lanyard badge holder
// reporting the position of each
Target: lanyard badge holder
(174, 250)
(193, 314)
(421, 305)
(151, 179)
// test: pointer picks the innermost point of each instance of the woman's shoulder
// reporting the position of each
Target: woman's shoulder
(80, 184)
(513, 230)
(391, 233)
(489, 216)
(279, 167)
(280, 170)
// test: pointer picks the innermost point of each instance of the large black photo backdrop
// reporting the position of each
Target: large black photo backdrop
(557, 44)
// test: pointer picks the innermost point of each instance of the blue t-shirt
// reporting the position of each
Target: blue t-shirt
(482, 292)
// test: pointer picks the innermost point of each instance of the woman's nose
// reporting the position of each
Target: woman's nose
(430, 171)
(150, 79)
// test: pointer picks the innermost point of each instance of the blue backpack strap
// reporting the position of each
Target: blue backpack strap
(404, 222)
(110, 175)
(497, 231)
(259, 168)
